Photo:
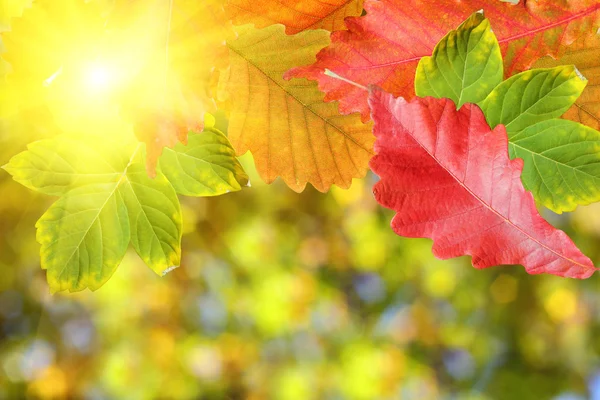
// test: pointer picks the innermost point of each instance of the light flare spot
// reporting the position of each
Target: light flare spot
(99, 77)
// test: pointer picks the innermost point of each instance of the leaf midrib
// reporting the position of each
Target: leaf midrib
(507, 40)
(112, 193)
(484, 203)
(370, 151)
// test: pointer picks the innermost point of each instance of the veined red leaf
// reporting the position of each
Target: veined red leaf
(385, 46)
(449, 178)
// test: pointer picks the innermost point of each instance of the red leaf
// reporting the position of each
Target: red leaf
(385, 46)
(449, 178)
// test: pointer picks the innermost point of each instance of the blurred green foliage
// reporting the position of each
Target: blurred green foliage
(292, 296)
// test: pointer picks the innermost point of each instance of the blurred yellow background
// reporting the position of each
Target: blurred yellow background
(292, 296)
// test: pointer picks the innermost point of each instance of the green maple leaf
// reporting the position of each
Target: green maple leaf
(107, 201)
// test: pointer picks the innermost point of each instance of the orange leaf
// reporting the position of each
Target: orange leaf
(296, 15)
(585, 55)
(286, 125)
(384, 47)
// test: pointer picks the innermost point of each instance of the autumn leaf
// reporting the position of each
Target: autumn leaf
(449, 178)
(384, 47)
(286, 125)
(560, 157)
(297, 16)
(585, 55)
(170, 68)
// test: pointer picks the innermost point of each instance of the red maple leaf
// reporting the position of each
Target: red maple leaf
(449, 178)
(384, 47)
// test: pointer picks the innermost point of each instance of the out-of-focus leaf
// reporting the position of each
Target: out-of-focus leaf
(206, 166)
(585, 55)
(449, 178)
(287, 126)
(466, 65)
(532, 96)
(84, 236)
(297, 16)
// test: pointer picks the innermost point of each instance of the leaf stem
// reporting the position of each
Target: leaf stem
(131, 159)
(332, 74)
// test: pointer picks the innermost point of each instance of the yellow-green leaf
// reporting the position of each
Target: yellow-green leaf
(155, 218)
(532, 96)
(561, 163)
(84, 236)
(55, 166)
(206, 166)
(466, 65)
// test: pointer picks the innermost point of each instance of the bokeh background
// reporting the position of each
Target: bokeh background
(292, 296)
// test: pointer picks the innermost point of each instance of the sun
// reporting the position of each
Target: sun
(99, 77)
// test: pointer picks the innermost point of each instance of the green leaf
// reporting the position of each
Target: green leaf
(154, 217)
(466, 65)
(55, 166)
(107, 199)
(561, 163)
(84, 236)
(532, 96)
(207, 166)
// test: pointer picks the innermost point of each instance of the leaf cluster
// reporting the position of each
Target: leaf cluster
(250, 60)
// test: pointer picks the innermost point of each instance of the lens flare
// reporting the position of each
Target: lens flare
(99, 77)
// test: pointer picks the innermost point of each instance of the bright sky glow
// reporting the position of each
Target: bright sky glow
(99, 77)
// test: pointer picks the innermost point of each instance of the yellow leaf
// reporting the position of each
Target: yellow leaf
(286, 125)
(585, 55)
(296, 15)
